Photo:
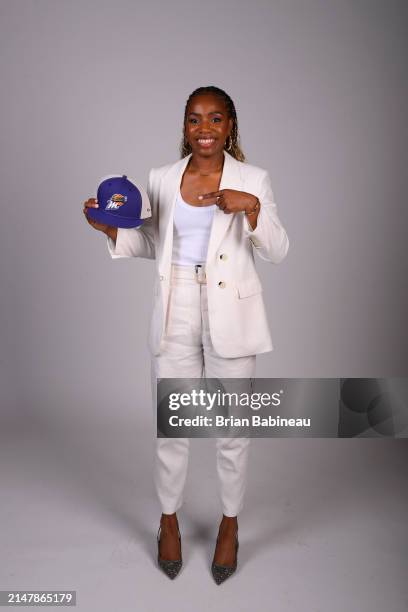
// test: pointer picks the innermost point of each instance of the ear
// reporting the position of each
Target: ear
(230, 126)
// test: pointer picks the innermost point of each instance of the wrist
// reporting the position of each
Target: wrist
(253, 207)
(111, 232)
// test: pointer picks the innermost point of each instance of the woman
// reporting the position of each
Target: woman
(209, 210)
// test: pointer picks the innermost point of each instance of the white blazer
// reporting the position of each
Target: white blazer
(236, 309)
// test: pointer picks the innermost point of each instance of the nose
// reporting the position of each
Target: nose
(206, 126)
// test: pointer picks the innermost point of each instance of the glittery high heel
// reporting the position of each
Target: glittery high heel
(170, 567)
(222, 572)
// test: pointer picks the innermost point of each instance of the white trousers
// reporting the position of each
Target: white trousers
(187, 352)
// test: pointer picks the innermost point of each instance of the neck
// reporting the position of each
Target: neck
(206, 165)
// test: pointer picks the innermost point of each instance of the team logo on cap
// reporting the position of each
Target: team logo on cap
(116, 201)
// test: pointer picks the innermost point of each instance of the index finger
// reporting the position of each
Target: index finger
(212, 194)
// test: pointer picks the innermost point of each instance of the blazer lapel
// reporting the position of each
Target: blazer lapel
(230, 179)
(168, 196)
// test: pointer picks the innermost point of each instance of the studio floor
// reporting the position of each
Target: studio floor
(324, 526)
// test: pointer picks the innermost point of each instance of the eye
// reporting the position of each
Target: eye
(217, 119)
(192, 120)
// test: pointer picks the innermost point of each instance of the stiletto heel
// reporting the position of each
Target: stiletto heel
(170, 567)
(222, 572)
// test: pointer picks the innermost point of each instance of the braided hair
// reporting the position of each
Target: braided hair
(232, 143)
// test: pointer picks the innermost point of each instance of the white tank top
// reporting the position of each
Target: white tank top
(192, 227)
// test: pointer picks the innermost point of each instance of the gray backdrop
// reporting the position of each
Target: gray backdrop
(92, 88)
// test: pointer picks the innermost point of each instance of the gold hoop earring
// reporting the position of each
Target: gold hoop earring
(229, 145)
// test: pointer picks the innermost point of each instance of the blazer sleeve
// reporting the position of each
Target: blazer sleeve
(269, 238)
(136, 241)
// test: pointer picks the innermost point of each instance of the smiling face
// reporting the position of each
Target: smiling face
(207, 125)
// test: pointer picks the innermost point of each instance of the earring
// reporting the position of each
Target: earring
(229, 145)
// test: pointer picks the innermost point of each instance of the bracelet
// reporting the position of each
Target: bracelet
(255, 209)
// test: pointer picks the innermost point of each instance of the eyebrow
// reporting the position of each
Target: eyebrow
(212, 113)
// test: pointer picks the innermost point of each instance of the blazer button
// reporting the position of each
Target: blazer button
(222, 284)
(224, 256)
(161, 277)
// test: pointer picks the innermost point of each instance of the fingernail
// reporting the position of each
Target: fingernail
(200, 197)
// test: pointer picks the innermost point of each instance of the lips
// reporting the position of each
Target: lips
(206, 142)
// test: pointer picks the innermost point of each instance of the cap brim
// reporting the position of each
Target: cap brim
(113, 220)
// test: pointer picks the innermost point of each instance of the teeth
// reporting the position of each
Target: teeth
(206, 140)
